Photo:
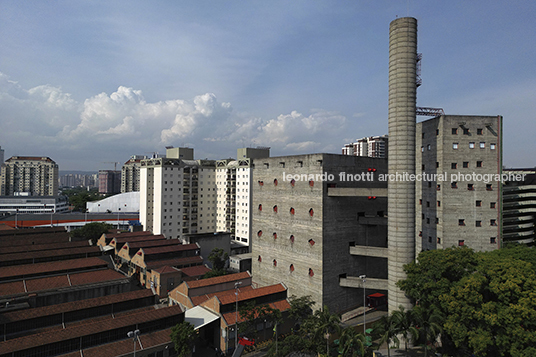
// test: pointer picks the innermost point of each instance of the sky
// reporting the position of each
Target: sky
(89, 83)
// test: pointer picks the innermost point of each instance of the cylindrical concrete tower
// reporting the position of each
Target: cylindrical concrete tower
(402, 120)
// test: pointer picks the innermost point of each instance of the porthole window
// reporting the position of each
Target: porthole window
(311, 242)
(274, 235)
(261, 183)
(292, 211)
(291, 268)
(275, 263)
(311, 212)
(311, 183)
(275, 182)
(291, 238)
(311, 273)
(292, 182)
(275, 208)
(259, 233)
(260, 207)
(259, 259)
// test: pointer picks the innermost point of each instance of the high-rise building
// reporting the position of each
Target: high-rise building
(178, 194)
(30, 176)
(319, 222)
(372, 146)
(109, 182)
(458, 201)
(519, 206)
(233, 181)
(130, 174)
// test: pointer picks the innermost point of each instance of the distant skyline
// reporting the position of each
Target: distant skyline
(91, 82)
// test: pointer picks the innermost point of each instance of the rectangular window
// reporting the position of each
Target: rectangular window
(429, 147)
(427, 203)
(479, 164)
(438, 240)
(438, 203)
(438, 187)
(465, 131)
(492, 205)
(427, 220)
(479, 203)
(492, 222)
(461, 222)
(423, 135)
(429, 183)
(482, 145)
(437, 220)
(471, 145)
(429, 239)
(479, 132)
(479, 223)
(437, 131)
(437, 164)
(470, 186)
(455, 146)
(420, 201)
(454, 165)
(423, 167)
(489, 187)
(465, 164)
(492, 240)
(492, 146)
(454, 185)
(454, 131)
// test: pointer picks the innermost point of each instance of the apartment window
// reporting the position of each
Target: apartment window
(465, 131)
(438, 203)
(454, 131)
(461, 243)
(479, 131)
(427, 203)
(470, 186)
(482, 145)
(454, 185)
(492, 205)
(492, 240)
(479, 203)
(492, 146)
(438, 187)
(471, 145)
(479, 164)
(437, 164)
(429, 147)
(422, 148)
(429, 239)
(423, 167)
(420, 201)
(492, 222)
(461, 222)
(478, 223)
(454, 165)
(465, 164)
(438, 240)
(455, 146)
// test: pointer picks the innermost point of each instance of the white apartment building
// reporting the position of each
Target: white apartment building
(178, 194)
(30, 176)
(233, 181)
(372, 146)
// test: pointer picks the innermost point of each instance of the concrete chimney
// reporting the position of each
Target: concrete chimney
(402, 121)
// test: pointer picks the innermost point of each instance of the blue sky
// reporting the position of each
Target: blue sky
(89, 82)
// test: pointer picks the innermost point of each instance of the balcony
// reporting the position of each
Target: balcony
(356, 282)
(368, 251)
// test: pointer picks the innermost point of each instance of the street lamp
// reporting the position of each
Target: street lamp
(364, 278)
(236, 285)
(134, 335)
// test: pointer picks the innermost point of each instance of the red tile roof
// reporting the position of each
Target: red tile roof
(128, 234)
(218, 280)
(167, 269)
(33, 239)
(196, 300)
(169, 249)
(55, 282)
(89, 328)
(50, 267)
(41, 247)
(195, 271)
(21, 315)
(252, 294)
(175, 262)
(281, 305)
(49, 253)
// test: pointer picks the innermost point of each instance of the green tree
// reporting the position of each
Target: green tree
(183, 336)
(218, 258)
(352, 343)
(428, 322)
(320, 324)
(90, 231)
(386, 331)
(292, 344)
(301, 308)
(492, 312)
(402, 319)
(251, 315)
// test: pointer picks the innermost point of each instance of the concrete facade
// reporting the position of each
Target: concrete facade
(130, 174)
(402, 121)
(456, 205)
(519, 206)
(303, 230)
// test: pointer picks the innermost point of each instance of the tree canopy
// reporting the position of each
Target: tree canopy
(91, 231)
(183, 336)
(487, 300)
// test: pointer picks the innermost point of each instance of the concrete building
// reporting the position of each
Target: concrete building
(233, 181)
(33, 204)
(372, 146)
(109, 182)
(320, 222)
(178, 195)
(130, 174)
(519, 206)
(458, 201)
(30, 176)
